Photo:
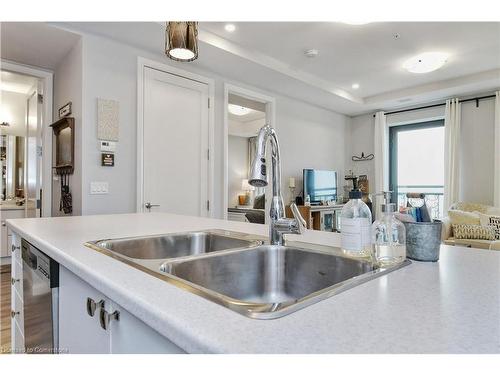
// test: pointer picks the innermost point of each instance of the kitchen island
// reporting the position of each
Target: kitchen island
(452, 306)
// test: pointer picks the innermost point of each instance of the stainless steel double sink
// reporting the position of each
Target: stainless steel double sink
(239, 271)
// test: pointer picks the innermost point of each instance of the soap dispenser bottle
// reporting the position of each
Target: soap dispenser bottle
(355, 222)
(388, 235)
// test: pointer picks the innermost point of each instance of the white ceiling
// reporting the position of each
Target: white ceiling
(370, 54)
(269, 55)
(14, 82)
(250, 116)
(35, 43)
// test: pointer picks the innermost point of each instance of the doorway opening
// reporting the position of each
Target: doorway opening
(23, 114)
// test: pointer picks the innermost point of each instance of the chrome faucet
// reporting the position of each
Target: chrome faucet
(258, 177)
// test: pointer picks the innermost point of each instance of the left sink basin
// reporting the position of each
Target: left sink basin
(174, 245)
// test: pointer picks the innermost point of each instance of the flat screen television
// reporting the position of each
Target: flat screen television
(320, 185)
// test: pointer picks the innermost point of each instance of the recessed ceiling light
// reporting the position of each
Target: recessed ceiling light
(426, 62)
(355, 86)
(229, 27)
(238, 110)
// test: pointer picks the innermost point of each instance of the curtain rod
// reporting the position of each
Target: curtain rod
(477, 99)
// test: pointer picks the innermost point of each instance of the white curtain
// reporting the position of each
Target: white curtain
(496, 197)
(451, 152)
(381, 153)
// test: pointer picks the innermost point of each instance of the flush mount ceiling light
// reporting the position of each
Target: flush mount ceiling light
(238, 110)
(356, 22)
(355, 86)
(311, 52)
(426, 62)
(229, 27)
(181, 40)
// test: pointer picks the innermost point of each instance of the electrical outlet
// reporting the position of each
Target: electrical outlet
(99, 187)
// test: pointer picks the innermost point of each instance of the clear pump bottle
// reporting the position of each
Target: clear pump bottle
(355, 222)
(388, 235)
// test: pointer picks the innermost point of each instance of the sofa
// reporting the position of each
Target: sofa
(447, 229)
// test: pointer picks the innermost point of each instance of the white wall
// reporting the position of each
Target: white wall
(477, 145)
(68, 88)
(237, 167)
(310, 136)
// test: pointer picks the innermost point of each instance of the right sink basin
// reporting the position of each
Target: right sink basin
(267, 282)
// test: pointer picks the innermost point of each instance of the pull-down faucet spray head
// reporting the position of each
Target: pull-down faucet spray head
(258, 171)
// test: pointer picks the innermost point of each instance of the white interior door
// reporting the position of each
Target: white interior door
(33, 156)
(175, 144)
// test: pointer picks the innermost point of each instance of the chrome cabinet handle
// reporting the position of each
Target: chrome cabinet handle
(13, 281)
(13, 314)
(14, 248)
(105, 318)
(93, 305)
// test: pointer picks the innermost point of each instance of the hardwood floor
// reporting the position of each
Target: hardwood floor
(4, 309)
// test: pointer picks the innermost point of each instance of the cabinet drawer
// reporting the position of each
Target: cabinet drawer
(16, 242)
(17, 338)
(17, 275)
(17, 307)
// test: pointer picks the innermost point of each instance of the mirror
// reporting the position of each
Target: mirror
(65, 145)
(13, 165)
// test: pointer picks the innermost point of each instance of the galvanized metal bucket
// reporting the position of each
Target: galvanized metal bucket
(423, 241)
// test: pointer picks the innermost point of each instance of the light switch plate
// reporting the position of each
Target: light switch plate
(97, 187)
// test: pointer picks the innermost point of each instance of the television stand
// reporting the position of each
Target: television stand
(320, 217)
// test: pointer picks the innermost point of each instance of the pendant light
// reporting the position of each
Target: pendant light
(181, 40)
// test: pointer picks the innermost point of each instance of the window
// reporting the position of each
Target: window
(416, 155)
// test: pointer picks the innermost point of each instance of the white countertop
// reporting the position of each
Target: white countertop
(452, 306)
(10, 205)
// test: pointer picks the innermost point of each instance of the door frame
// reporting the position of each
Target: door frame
(143, 63)
(270, 120)
(47, 78)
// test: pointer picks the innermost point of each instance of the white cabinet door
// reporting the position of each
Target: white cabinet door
(81, 333)
(78, 332)
(175, 144)
(130, 335)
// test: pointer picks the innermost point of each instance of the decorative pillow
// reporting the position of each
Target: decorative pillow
(470, 207)
(463, 217)
(492, 221)
(473, 232)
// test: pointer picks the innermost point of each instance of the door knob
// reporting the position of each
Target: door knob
(13, 314)
(13, 281)
(105, 318)
(93, 305)
(149, 205)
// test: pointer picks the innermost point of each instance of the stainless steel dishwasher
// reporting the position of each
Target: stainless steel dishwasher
(41, 300)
